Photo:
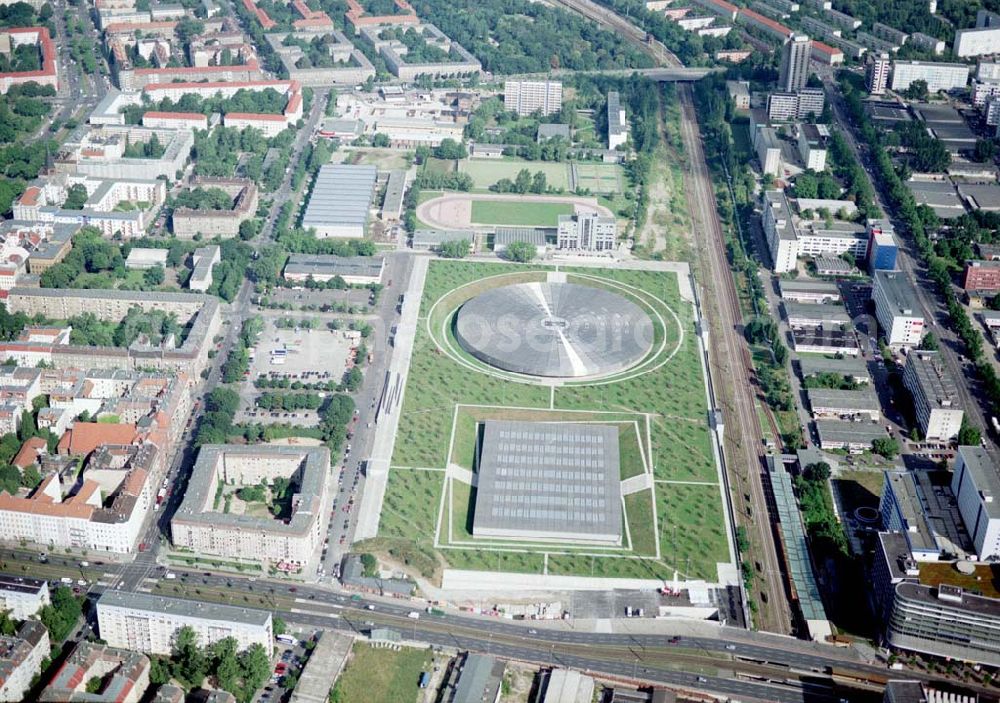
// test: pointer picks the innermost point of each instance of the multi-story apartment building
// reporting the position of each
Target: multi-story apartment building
(794, 72)
(975, 482)
(22, 597)
(877, 73)
(982, 40)
(780, 231)
(896, 309)
(186, 222)
(525, 97)
(123, 675)
(800, 105)
(939, 76)
(587, 232)
(21, 658)
(291, 544)
(147, 623)
(812, 140)
(935, 396)
(769, 151)
(47, 74)
(940, 620)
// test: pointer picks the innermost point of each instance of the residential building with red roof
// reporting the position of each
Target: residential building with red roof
(357, 17)
(824, 53)
(124, 676)
(265, 21)
(765, 24)
(30, 451)
(48, 74)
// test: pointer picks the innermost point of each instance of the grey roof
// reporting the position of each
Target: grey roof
(918, 529)
(425, 238)
(615, 106)
(905, 692)
(848, 366)
(937, 113)
(564, 330)
(809, 598)
(933, 378)
(969, 604)
(508, 235)
(862, 399)
(555, 478)
(201, 488)
(479, 679)
(834, 314)
(806, 286)
(341, 195)
(777, 203)
(550, 131)
(394, 190)
(329, 265)
(985, 196)
(984, 467)
(20, 584)
(939, 195)
(843, 431)
(899, 292)
(352, 574)
(183, 608)
(833, 263)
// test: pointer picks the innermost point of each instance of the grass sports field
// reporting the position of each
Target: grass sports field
(672, 504)
(498, 212)
(599, 178)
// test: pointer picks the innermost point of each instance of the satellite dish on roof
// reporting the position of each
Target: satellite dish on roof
(965, 567)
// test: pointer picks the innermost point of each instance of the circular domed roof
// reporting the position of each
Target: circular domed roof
(558, 330)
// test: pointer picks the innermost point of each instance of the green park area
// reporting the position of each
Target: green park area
(381, 675)
(659, 407)
(486, 172)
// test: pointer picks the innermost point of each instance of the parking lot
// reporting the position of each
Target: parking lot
(307, 355)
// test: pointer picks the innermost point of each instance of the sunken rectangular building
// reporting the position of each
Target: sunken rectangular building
(549, 482)
(340, 200)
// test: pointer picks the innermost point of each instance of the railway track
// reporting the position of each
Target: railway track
(614, 21)
(734, 362)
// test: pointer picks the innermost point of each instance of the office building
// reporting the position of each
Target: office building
(22, 597)
(877, 73)
(939, 76)
(340, 201)
(142, 622)
(527, 97)
(794, 72)
(902, 510)
(896, 309)
(940, 620)
(21, 658)
(587, 232)
(882, 247)
(975, 482)
(935, 396)
(617, 124)
(982, 40)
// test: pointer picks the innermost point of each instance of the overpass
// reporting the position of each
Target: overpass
(664, 74)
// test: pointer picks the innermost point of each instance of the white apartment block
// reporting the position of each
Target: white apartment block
(142, 622)
(976, 485)
(988, 71)
(784, 107)
(877, 73)
(794, 72)
(779, 229)
(992, 113)
(587, 232)
(22, 597)
(525, 97)
(982, 92)
(896, 309)
(812, 140)
(982, 40)
(939, 76)
(935, 396)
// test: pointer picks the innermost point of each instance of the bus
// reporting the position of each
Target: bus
(286, 639)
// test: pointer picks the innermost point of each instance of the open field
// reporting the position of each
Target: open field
(486, 172)
(381, 675)
(597, 177)
(659, 406)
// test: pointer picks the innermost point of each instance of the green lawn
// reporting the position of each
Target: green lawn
(514, 212)
(486, 172)
(599, 177)
(377, 675)
(673, 395)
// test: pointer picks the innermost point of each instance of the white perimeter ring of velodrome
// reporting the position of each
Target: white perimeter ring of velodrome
(645, 365)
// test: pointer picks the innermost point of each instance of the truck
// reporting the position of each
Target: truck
(160, 496)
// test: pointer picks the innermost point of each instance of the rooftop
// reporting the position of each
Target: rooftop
(899, 292)
(852, 366)
(919, 534)
(985, 470)
(843, 431)
(935, 381)
(341, 194)
(329, 265)
(20, 584)
(862, 399)
(183, 608)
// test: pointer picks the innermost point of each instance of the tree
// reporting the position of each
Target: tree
(450, 150)
(153, 276)
(917, 90)
(820, 471)
(189, 661)
(521, 252)
(255, 666)
(969, 435)
(886, 446)
(369, 565)
(76, 197)
(61, 615)
(985, 150)
(27, 429)
(279, 626)
(455, 249)
(380, 140)
(30, 477)
(522, 183)
(539, 183)
(929, 342)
